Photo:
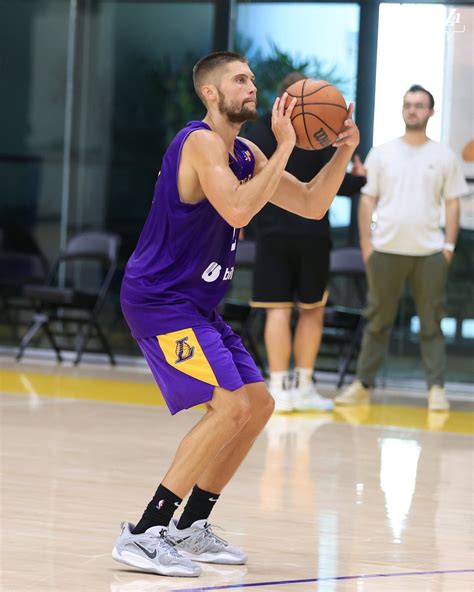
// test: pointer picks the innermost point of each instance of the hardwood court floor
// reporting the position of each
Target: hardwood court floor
(376, 499)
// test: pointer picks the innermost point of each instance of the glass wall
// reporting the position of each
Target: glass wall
(318, 39)
(34, 48)
(94, 90)
(436, 52)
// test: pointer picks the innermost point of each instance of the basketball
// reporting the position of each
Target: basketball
(319, 114)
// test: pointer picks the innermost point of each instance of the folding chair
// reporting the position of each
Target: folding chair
(344, 324)
(74, 294)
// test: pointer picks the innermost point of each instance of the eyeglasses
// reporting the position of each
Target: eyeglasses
(407, 106)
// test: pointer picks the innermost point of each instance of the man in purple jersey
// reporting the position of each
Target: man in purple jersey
(211, 184)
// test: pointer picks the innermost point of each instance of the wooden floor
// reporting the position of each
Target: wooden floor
(376, 499)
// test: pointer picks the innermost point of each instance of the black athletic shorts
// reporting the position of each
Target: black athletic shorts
(289, 270)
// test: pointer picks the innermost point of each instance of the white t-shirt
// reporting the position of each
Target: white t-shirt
(410, 183)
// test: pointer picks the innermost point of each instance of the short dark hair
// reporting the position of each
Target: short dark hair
(290, 79)
(209, 63)
(419, 88)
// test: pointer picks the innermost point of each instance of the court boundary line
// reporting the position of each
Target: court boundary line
(325, 579)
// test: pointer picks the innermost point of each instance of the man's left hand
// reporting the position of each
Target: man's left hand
(349, 136)
(358, 169)
(448, 256)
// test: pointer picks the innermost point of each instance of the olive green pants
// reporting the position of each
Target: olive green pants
(386, 278)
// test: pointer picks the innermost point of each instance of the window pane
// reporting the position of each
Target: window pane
(32, 99)
(436, 52)
(323, 36)
(136, 93)
(131, 92)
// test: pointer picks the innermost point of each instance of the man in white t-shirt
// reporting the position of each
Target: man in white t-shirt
(408, 181)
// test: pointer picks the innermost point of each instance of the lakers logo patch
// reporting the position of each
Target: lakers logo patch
(184, 346)
(183, 350)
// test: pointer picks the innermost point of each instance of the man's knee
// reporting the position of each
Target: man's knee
(267, 405)
(430, 319)
(430, 329)
(278, 315)
(262, 403)
(313, 315)
(238, 412)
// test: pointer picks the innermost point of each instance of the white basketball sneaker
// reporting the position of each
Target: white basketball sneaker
(354, 394)
(437, 400)
(307, 398)
(152, 551)
(281, 390)
(200, 543)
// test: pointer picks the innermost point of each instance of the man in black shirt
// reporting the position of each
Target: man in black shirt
(292, 267)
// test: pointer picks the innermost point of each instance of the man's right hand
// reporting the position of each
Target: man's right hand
(367, 250)
(358, 169)
(281, 122)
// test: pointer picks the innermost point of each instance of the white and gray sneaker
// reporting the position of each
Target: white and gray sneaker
(152, 551)
(307, 398)
(200, 543)
(280, 388)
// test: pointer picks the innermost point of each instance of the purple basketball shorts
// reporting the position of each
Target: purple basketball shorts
(188, 364)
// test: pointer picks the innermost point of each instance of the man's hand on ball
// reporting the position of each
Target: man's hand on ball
(349, 136)
(281, 121)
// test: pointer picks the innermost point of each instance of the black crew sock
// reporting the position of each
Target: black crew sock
(159, 511)
(199, 506)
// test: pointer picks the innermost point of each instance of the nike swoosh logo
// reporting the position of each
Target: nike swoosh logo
(213, 499)
(150, 555)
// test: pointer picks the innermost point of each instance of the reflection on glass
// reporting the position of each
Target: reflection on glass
(419, 59)
(398, 467)
(326, 33)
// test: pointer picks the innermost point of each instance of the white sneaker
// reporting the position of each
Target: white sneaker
(281, 390)
(308, 399)
(355, 394)
(152, 551)
(200, 543)
(437, 400)
(283, 400)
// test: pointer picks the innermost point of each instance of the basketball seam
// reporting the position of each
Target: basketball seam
(322, 120)
(312, 92)
(303, 113)
(313, 115)
(330, 104)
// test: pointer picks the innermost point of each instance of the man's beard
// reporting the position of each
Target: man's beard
(418, 126)
(234, 114)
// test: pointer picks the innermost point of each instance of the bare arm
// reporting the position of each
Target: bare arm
(312, 200)
(366, 210)
(238, 203)
(452, 224)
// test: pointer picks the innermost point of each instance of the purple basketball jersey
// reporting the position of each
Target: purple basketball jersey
(185, 256)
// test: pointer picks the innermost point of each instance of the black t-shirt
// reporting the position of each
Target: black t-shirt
(304, 165)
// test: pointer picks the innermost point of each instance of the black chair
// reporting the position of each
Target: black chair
(237, 311)
(343, 315)
(73, 294)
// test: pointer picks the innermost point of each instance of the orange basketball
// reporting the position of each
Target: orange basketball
(319, 114)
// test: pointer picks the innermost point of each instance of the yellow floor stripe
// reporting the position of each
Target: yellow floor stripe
(79, 387)
(121, 391)
(461, 422)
